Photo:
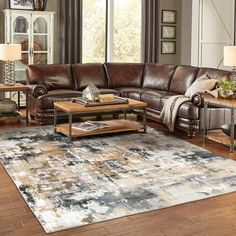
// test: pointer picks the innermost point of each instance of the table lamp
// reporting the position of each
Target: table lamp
(8, 54)
(230, 56)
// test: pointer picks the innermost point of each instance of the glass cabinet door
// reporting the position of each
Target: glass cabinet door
(21, 34)
(40, 39)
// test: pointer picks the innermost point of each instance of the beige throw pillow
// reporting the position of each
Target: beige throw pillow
(202, 84)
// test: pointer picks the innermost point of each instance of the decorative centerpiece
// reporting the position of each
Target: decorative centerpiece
(39, 5)
(91, 93)
(226, 88)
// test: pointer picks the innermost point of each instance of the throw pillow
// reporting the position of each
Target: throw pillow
(200, 85)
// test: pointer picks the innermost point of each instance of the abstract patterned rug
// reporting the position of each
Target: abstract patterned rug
(100, 178)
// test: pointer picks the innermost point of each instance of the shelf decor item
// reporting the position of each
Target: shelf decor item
(168, 47)
(21, 4)
(168, 16)
(226, 88)
(39, 5)
(8, 54)
(168, 32)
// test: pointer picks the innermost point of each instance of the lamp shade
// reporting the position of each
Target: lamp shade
(10, 52)
(230, 55)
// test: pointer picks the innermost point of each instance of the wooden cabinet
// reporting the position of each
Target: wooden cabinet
(34, 30)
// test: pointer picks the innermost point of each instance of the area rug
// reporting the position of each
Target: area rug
(101, 178)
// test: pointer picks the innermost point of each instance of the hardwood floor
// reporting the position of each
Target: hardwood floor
(212, 216)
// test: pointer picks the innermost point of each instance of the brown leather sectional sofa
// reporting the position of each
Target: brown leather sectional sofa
(151, 83)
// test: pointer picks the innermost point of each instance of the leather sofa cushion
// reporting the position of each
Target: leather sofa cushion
(124, 74)
(87, 73)
(158, 76)
(183, 77)
(53, 76)
(154, 99)
(187, 110)
(109, 91)
(213, 73)
(47, 101)
(131, 92)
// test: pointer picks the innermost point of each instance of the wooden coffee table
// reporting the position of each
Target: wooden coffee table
(115, 125)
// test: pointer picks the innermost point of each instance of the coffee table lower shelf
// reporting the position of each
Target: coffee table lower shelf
(115, 127)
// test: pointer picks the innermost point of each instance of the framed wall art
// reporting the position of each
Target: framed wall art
(168, 47)
(168, 16)
(21, 4)
(168, 32)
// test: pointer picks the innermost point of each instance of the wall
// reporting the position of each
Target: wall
(171, 5)
(186, 28)
(53, 5)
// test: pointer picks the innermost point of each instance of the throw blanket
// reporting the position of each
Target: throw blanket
(170, 110)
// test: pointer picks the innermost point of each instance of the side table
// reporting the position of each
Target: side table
(220, 138)
(17, 87)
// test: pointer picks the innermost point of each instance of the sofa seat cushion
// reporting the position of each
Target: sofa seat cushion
(131, 92)
(87, 73)
(154, 98)
(47, 101)
(109, 91)
(187, 110)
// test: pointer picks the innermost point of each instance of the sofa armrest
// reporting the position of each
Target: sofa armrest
(198, 98)
(37, 90)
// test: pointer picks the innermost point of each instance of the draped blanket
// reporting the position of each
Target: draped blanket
(170, 109)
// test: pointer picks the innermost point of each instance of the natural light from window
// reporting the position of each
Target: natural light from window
(124, 31)
(94, 24)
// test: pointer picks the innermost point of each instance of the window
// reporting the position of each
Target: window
(94, 25)
(112, 30)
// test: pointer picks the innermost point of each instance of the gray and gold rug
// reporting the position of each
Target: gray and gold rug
(102, 178)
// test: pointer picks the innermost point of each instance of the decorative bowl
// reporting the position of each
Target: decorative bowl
(226, 129)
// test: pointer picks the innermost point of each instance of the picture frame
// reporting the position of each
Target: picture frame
(169, 16)
(168, 32)
(21, 4)
(168, 47)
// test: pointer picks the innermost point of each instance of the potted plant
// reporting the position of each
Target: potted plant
(226, 88)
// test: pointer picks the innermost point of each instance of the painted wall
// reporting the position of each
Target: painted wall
(185, 31)
(171, 5)
(53, 5)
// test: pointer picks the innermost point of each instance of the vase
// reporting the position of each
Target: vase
(226, 94)
(39, 5)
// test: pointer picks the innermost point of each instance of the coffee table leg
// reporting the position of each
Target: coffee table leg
(125, 115)
(27, 104)
(232, 131)
(55, 118)
(205, 123)
(144, 120)
(70, 128)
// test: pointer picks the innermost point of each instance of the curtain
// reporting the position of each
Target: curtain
(150, 31)
(70, 31)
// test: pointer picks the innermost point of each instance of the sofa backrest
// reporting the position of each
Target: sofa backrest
(183, 77)
(213, 73)
(158, 76)
(53, 76)
(87, 73)
(124, 74)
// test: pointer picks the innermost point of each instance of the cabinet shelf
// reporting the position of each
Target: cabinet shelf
(40, 34)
